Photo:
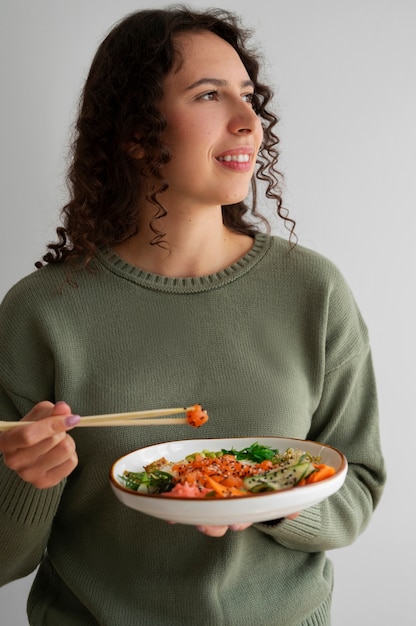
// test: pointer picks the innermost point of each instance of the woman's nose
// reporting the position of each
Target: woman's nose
(243, 119)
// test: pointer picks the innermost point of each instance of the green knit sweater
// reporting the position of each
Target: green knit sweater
(272, 345)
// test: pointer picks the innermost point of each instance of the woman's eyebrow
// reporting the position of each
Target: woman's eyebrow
(218, 82)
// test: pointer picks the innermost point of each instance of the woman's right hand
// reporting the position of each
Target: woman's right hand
(43, 453)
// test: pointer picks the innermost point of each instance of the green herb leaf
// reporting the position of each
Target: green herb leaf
(255, 452)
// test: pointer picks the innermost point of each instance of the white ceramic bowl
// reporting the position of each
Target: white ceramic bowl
(241, 510)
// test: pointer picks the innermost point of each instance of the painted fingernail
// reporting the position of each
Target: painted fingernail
(71, 420)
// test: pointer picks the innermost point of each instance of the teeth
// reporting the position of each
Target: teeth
(239, 158)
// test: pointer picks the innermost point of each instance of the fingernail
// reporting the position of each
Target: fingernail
(234, 527)
(71, 420)
(201, 529)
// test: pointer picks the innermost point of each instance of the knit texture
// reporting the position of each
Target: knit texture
(272, 346)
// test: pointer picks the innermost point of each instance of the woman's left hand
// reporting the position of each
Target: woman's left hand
(219, 531)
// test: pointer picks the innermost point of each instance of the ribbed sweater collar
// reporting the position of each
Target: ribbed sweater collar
(156, 282)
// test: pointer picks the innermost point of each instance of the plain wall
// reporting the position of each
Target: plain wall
(344, 77)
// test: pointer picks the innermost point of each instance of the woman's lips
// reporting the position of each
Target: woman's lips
(239, 160)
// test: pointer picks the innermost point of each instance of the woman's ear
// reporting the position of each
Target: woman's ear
(134, 148)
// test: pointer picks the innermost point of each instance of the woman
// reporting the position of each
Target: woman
(162, 289)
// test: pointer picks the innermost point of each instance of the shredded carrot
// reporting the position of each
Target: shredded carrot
(196, 416)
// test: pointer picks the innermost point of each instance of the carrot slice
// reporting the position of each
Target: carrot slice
(221, 491)
(232, 481)
(322, 471)
(266, 465)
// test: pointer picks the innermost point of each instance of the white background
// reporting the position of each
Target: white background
(344, 76)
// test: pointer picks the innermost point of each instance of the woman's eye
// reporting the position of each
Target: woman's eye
(209, 95)
(248, 97)
(214, 95)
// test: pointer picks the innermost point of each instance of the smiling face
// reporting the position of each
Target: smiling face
(212, 132)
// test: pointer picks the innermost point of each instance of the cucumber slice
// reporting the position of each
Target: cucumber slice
(279, 479)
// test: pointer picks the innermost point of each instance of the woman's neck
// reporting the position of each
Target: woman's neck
(192, 246)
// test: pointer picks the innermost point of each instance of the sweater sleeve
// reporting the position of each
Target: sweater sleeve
(26, 513)
(347, 418)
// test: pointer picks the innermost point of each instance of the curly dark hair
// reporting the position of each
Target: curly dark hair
(119, 102)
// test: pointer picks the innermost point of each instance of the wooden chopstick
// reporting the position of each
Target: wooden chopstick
(155, 421)
(136, 415)
(152, 417)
